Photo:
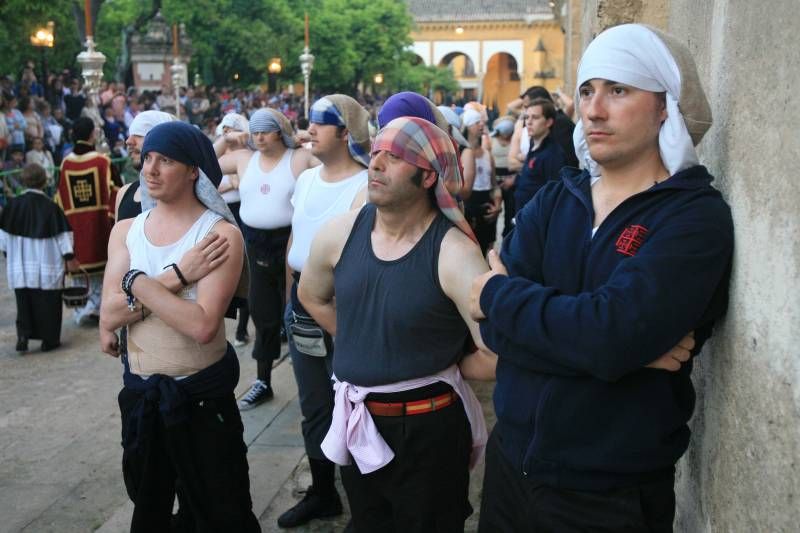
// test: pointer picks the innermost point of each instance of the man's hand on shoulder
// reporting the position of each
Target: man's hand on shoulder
(496, 267)
(209, 253)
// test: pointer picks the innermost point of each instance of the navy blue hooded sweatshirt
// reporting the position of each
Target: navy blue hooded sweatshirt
(578, 318)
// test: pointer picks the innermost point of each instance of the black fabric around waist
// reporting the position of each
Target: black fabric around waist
(422, 393)
(266, 238)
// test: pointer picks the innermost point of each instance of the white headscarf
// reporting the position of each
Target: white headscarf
(234, 121)
(147, 120)
(470, 117)
(634, 55)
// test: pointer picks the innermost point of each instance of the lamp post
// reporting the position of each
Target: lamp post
(44, 39)
(274, 68)
(178, 70)
(92, 62)
(378, 80)
(306, 65)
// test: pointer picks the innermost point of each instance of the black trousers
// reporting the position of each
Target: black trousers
(424, 489)
(39, 315)
(203, 460)
(266, 259)
(314, 389)
(514, 504)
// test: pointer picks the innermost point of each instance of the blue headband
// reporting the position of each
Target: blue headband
(186, 144)
(325, 112)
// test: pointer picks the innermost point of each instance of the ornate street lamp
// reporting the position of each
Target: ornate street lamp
(274, 68)
(43, 39)
(306, 65)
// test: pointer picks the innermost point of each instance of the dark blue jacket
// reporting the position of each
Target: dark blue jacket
(541, 165)
(578, 318)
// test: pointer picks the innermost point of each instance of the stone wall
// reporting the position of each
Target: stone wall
(742, 470)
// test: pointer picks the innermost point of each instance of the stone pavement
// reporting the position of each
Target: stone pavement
(60, 437)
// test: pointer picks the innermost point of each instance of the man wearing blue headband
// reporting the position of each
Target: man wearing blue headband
(606, 270)
(266, 180)
(338, 122)
(181, 429)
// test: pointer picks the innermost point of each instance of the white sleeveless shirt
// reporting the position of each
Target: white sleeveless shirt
(265, 196)
(315, 202)
(483, 173)
(153, 346)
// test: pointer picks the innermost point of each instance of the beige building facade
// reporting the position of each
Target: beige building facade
(496, 49)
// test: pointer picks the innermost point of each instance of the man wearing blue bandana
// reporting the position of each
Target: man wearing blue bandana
(266, 182)
(340, 139)
(181, 429)
(606, 269)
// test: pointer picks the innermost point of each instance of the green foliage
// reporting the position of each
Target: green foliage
(19, 20)
(352, 40)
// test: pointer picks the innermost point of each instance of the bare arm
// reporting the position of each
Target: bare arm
(459, 261)
(316, 291)
(199, 319)
(302, 159)
(468, 162)
(120, 193)
(202, 258)
(514, 153)
(231, 162)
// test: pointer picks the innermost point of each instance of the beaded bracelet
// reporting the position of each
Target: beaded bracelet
(127, 283)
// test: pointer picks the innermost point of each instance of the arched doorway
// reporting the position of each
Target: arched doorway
(464, 72)
(501, 84)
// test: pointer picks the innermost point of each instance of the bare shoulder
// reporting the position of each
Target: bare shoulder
(339, 227)
(459, 258)
(120, 230)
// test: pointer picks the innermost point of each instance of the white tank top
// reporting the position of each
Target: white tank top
(153, 346)
(265, 196)
(315, 202)
(483, 173)
(500, 154)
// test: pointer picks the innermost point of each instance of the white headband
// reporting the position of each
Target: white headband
(634, 55)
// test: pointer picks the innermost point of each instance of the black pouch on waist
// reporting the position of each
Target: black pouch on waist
(308, 337)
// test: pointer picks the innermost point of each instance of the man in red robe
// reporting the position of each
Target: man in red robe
(86, 192)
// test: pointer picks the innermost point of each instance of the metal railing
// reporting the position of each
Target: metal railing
(11, 186)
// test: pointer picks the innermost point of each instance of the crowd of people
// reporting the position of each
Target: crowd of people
(367, 237)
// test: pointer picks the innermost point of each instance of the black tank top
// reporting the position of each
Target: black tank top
(393, 321)
(128, 207)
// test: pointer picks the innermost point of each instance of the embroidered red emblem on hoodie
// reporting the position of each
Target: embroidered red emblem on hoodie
(631, 239)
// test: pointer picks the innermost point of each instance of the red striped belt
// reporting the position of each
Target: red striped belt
(417, 407)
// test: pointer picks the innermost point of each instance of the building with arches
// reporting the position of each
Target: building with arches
(496, 48)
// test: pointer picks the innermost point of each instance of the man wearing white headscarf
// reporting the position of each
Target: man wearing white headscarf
(606, 270)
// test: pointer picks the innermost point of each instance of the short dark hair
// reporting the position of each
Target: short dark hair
(537, 92)
(82, 129)
(548, 109)
(34, 176)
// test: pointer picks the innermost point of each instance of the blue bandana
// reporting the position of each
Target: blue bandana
(327, 111)
(186, 144)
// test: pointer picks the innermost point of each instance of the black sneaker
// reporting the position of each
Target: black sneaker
(311, 506)
(22, 344)
(259, 393)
